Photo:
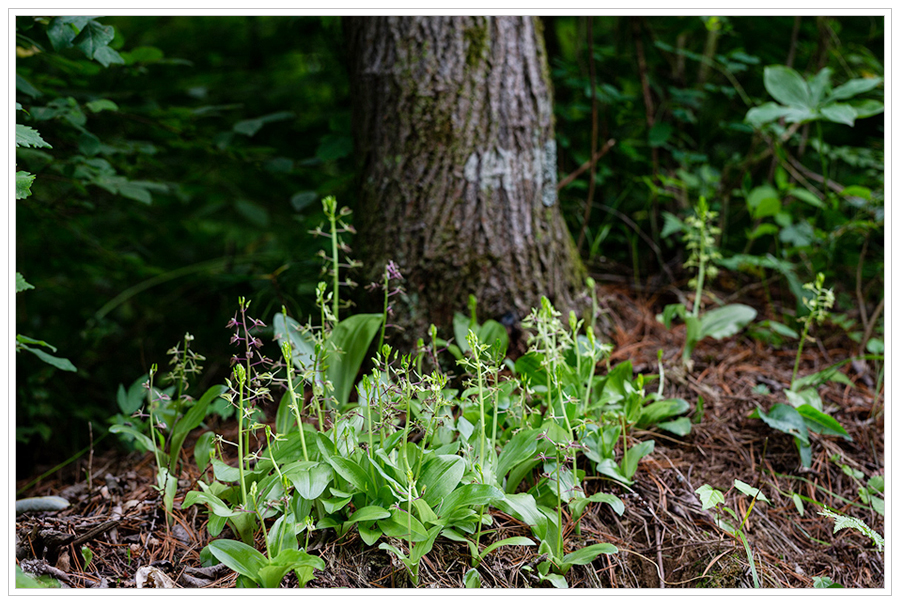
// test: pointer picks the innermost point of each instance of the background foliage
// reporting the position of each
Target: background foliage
(188, 158)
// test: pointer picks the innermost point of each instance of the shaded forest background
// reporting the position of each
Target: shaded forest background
(148, 220)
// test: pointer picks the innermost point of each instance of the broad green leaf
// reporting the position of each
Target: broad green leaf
(352, 336)
(311, 481)
(92, 38)
(62, 30)
(750, 491)
(252, 126)
(29, 138)
(839, 113)
(471, 580)
(239, 557)
(522, 541)
(143, 54)
(22, 284)
(303, 349)
(759, 195)
(216, 505)
(101, 105)
(469, 495)
(798, 503)
(820, 422)
(368, 513)
(709, 497)
(26, 581)
(806, 196)
(831, 374)
(770, 112)
(616, 503)
(671, 225)
(806, 396)
(440, 476)
(725, 321)
(854, 87)
(656, 412)
(348, 469)
(23, 184)
(168, 484)
(634, 455)
(521, 506)
(26, 340)
(143, 439)
(494, 334)
(659, 134)
(670, 312)
(400, 523)
(867, 108)
(225, 473)
(787, 86)
(819, 85)
(876, 483)
(586, 555)
(203, 449)
(679, 427)
(193, 418)
(520, 448)
(557, 581)
(857, 191)
(58, 362)
(786, 419)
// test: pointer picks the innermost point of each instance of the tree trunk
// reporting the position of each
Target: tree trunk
(453, 119)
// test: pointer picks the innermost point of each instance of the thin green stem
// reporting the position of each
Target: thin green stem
(799, 351)
(296, 408)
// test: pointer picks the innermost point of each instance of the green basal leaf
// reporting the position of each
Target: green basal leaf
(440, 476)
(786, 419)
(656, 412)
(239, 557)
(586, 555)
(352, 336)
(806, 396)
(725, 321)
(634, 455)
(368, 513)
(522, 541)
(310, 481)
(203, 449)
(679, 427)
(193, 418)
(821, 423)
(520, 448)
(472, 580)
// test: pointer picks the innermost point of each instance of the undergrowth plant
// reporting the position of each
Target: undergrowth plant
(700, 239)
(805, 413)
(713, 498)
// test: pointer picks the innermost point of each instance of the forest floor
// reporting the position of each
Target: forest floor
(665, 539)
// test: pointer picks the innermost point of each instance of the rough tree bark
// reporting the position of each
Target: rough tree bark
(453, 122)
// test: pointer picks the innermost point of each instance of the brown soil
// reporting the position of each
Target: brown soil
(664, 538)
